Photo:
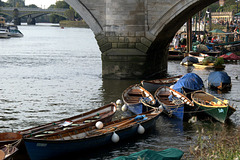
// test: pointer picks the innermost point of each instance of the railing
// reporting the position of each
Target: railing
(33, 9)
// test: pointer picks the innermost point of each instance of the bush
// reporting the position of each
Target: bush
(219, 61)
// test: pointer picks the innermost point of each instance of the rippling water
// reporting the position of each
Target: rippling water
(54, 73)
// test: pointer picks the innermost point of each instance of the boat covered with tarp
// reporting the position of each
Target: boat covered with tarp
(188, 83)
(219, 80)
(230, 56)
(189, 60)
(170, 153)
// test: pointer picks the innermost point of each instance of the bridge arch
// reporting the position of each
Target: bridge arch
(134, 35)
(86, 14)
(170, 23)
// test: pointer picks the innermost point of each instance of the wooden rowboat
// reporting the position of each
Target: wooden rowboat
(153, 85)
(80, 140)
(7, 151)
(212, 106)
(133, 96)
(172, 101)
(9, 137)
(201, 66)
(83, 120)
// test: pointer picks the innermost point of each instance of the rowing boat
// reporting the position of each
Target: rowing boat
(172, 101)
(104, 114)
(133, 96)
(216, 108)
(9, 137)
(78, 141)
(153, 85)
(7, 151)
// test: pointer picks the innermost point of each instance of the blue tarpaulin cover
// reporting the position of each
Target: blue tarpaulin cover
(190, 59)
(147, 154)
(189, 82)
(216, 78)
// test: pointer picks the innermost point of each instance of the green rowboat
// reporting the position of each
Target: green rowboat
(211, 105)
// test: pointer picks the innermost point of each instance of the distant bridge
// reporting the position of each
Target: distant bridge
(32, 13)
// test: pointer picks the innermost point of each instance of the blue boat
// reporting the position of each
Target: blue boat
(153, 85)
(133, 96)
(170, 154)
(190, 82)
(219, 80)
(66, 142)
(172, 101)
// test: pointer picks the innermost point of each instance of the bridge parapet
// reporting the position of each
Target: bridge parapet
(25, 9)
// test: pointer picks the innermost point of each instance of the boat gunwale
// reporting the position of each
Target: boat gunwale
(94, 128)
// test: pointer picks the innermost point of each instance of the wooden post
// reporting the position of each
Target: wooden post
(189, 35)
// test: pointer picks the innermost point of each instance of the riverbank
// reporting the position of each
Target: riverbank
(218, 144)
(79, 24)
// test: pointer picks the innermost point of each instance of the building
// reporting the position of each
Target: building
(222, 17)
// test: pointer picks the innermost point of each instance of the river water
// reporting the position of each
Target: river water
(53, 73)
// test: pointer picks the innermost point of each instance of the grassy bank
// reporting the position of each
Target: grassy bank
(217, 145)
(80, 24)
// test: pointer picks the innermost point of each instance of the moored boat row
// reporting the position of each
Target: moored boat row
(96, 128)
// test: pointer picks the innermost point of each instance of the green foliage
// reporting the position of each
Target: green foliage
(61, 4)
(70, 13)
(229, 6)
(219, 61)
(32, 6)
(16, 3)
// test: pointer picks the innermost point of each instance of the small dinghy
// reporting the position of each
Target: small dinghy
(214, 107)
(172, 101)
(133, 97)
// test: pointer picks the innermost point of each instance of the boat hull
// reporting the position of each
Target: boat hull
(212, 106)
(219, 113)
(137, 108)
(174, 111)
(50, 149)
(153, 85)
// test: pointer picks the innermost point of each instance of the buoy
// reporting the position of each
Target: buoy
(160, 108)
(115, 138)
(99, 125)
(118, 102)
(141, 129)
(124, 108)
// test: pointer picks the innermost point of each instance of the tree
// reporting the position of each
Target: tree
(16, 3)
(70, 13)
(61, 4)
(32, 6)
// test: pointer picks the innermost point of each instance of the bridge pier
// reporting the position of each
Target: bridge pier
(31, 21)
(126, 56)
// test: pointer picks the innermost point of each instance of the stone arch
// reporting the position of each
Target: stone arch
(176, 16)
(170, 23)
(86, 15)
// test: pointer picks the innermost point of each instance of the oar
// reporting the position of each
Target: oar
(138, 117)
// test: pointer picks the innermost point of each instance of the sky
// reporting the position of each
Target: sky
(40, 3)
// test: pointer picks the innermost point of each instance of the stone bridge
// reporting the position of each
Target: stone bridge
(133, 35)
(32, 13)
